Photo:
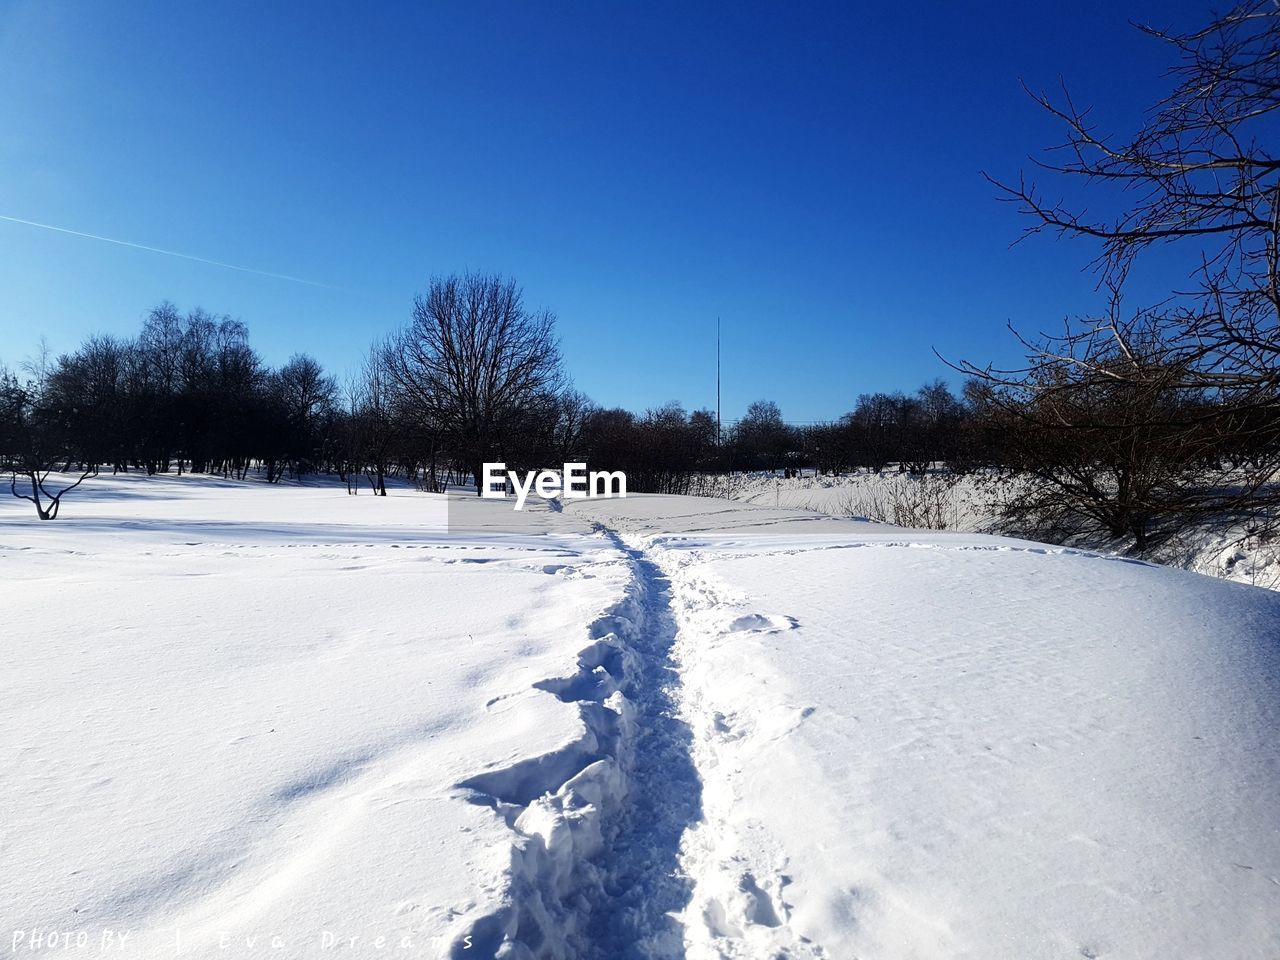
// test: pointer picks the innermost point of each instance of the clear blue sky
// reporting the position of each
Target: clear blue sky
(808, 172)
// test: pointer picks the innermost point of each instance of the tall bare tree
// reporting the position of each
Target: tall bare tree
(307, 394)
(374, 428)
(472, 359)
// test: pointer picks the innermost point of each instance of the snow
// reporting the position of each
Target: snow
(1225, 548)
(245, 709)
(944, 745)
(656, 727)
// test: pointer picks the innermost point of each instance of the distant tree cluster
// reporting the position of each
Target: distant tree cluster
(475, 376)
(913, 433)
(188, 393)
(664, 448)
(661, 451)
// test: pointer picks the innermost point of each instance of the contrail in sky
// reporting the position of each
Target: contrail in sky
(168, 253)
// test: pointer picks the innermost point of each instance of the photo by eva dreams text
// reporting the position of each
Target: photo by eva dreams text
(574, 482)
(172, 941)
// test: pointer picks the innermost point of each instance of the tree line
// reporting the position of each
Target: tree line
(474, 376)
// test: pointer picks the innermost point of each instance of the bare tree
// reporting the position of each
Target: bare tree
(573, 408)
(1123, 456)
(34, 442)
(307, 394)
(373, 414)
(761, 437)
(1200, 371)
(87, 388)
(472, 359)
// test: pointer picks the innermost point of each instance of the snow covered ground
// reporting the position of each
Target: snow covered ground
(244, 710)
(971, 503)
(245, 721)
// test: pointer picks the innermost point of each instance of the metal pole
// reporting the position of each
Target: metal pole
(717, 381)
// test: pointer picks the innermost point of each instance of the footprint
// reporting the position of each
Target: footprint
(729, 727)
(762, 623)
(759, 906)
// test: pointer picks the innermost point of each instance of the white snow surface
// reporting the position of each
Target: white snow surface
(1221, 547)
(243, 720)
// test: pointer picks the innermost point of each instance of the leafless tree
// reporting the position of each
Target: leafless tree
(307, 394)
(1120, 454)
(34, 442)
(1199, 371)
(472, 359)
(761, 438)
(373, 419)
(573, 408)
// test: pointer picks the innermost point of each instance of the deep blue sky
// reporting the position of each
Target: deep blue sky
(810, 173)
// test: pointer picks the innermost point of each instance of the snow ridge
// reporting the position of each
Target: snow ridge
(597, 823)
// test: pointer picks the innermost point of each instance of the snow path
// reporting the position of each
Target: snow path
(598, 823)
(735, 906)
(644, 885)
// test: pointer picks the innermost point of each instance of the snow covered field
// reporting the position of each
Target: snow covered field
(246, 721)
(971, 503)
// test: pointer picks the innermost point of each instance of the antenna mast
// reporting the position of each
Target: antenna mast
(717, 381)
